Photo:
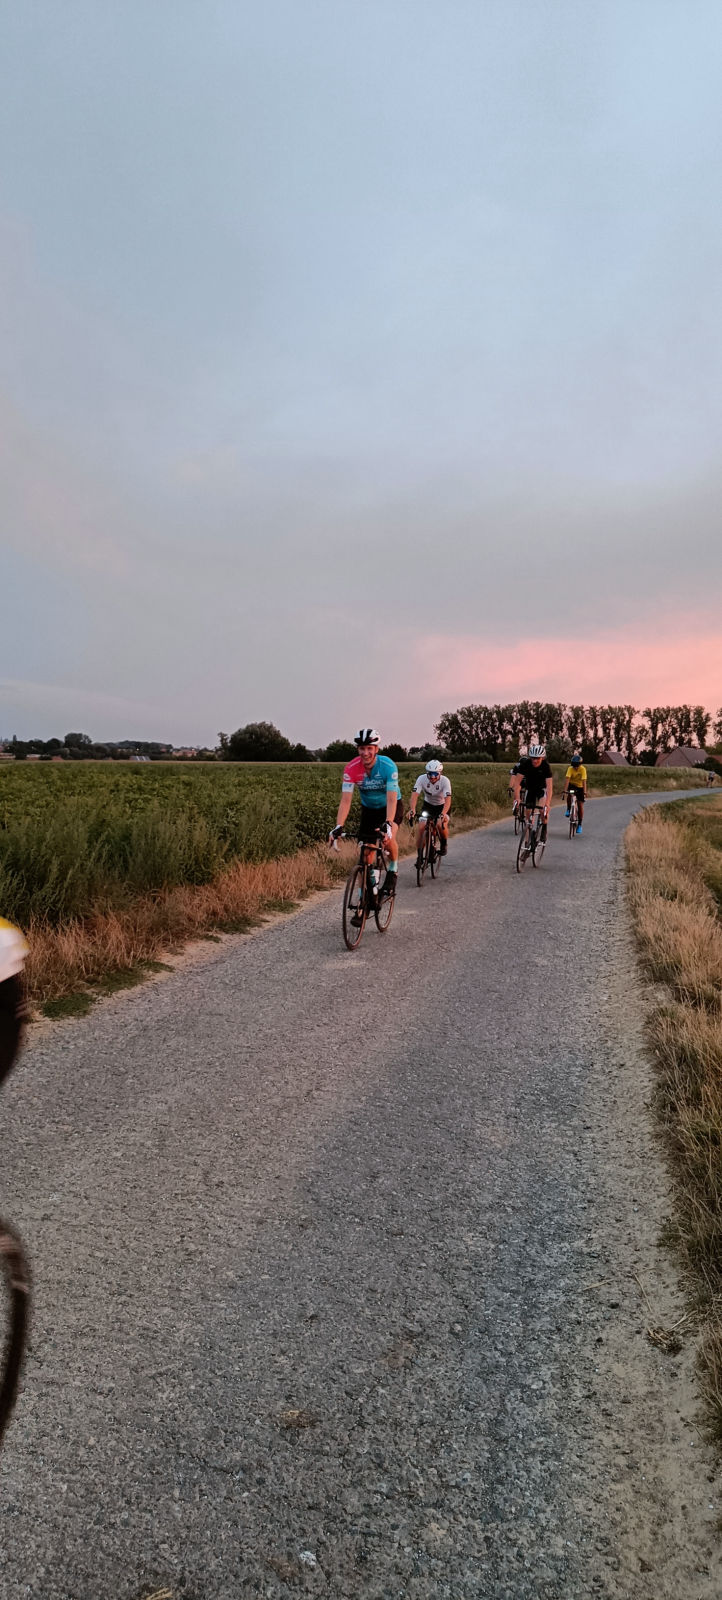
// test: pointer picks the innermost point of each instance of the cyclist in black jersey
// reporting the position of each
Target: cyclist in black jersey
(537, 777)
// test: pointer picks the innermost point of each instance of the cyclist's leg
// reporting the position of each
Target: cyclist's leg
(391, 848)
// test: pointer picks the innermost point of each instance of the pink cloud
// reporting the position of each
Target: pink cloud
(672, 666)
(676, 664)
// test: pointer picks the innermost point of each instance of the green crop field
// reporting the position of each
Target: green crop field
(82, 836)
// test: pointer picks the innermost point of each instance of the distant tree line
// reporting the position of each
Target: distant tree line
(80, 747)
(262, 741)
(498, 731)
(479, 732)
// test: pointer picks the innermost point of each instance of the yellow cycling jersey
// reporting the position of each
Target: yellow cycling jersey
(577, 776)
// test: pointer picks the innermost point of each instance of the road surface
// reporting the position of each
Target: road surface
(340, 1263)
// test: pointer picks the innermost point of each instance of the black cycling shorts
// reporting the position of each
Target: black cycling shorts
(374, 817)
(434, 812)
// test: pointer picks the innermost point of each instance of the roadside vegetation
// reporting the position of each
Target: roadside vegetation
(106, 866)
(674, 857)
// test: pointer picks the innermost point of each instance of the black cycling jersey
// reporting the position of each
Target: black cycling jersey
(535, 778)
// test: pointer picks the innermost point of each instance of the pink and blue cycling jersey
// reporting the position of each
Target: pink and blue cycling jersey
(373, 786)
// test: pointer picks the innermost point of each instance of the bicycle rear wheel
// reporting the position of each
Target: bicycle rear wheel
(355, 909)
(16, 1282)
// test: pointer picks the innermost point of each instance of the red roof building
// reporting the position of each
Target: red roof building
(685, 755)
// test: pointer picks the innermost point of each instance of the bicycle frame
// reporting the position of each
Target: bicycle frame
(362, 898)
(531, 840)
(573, 813)
(431, 849)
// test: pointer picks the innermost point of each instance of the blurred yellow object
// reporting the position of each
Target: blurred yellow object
(13, 950)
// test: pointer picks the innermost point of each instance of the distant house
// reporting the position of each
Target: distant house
(613, 758)
(685, 755)
(5, 755)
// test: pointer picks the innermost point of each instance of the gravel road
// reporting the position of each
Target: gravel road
(341, 1264)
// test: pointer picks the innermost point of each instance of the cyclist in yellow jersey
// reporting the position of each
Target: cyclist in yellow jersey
(13, 951)
(576, 779)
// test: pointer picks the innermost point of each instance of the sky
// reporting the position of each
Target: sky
(358, 359)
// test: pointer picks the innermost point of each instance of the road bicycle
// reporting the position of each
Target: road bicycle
(429, 856)
(518, 810)
(573, 814)
(531, 842)
(365, 894)
(14, 1270)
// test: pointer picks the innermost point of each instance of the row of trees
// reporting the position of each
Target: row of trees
(261, 741)
(497, 731)
(80, 747)
(490, 733)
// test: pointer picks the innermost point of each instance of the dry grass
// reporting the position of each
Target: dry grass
(83, 953)
(674, 862)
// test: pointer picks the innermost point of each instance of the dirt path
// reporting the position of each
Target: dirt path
(338, 1265)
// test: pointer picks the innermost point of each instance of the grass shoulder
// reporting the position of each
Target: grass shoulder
(674, 860)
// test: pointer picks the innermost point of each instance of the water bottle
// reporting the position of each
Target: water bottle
(375, 875)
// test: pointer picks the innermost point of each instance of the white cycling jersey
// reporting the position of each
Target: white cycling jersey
(435, 793)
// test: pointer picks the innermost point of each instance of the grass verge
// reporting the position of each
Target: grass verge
(71, 965)
(102, 888)
(674, 857)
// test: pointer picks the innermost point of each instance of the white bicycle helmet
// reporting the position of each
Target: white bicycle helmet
(367, 736)
(536, 750)
(434, 769)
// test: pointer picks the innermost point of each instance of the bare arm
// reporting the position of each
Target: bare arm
(344, 806)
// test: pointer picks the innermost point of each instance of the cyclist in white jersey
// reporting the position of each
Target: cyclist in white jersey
(435, 790)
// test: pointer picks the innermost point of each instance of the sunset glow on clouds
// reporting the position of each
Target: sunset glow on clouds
(674, 665)
(403, 397)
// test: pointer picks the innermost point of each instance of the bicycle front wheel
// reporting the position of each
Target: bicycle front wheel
(383, 910)
(537, 851)
(16, 1276)
(434, 857)
(522, 854)
(355, 910)
(517, 823)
